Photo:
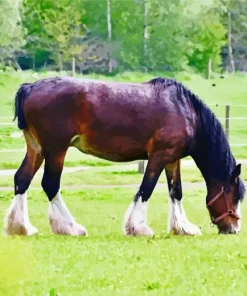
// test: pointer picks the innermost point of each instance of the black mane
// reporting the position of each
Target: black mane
(212, 135)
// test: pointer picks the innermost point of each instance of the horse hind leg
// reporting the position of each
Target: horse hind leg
(178, 222)
(17, 218)
(61, 220)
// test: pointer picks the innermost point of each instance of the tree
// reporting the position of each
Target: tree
(235, 22)
(167, 39)
(109, 30)
(113, 35)
(206, 37)
(145, 35)
(55, 27)
(11, 31)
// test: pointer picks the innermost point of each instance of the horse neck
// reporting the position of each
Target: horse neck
(214, 163)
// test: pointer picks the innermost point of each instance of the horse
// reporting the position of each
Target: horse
(160, 121)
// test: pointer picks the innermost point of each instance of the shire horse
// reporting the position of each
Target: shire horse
(160, 121)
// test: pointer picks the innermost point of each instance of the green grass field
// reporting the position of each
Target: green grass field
(114, 175)
(107, 262)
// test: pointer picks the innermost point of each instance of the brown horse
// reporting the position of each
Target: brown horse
(159, 120)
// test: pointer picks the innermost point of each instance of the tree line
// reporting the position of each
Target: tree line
(111, 36)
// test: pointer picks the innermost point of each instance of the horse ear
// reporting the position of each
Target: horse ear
(236, 173)
(238, 170)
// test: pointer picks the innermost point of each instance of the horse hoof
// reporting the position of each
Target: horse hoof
(138, 230)
(81, 230)
(31, 230)
(67, 228)
(19, 229)
(187, 229)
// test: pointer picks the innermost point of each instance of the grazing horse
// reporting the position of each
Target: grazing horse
(159, 120)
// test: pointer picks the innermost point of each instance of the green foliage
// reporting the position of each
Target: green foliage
(128, 26)
(238, 25)
(167, 42)
(58, 29)
(11, 31)
(207, 38)
(181, 33)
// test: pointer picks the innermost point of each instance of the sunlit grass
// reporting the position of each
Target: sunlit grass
(108, 263)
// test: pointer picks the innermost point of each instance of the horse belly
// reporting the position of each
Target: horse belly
(110, 148)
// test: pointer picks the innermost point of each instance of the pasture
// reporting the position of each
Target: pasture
(108, 263)
(98, 194)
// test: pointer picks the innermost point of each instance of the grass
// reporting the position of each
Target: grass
(12, 159)
(108, 263)
(113, 175)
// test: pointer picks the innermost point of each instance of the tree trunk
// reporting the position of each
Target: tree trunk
(73, 67)
(34, 62)
(209, 68)
(15, 64)
(230, 42)
(109, 33)
(145, 55)
(60, 62)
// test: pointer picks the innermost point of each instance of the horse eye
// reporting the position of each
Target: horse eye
(227, 190)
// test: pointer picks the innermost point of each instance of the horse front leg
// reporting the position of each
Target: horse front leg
(178, 222)
(135, 220)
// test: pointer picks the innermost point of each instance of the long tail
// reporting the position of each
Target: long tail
(21, 94)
